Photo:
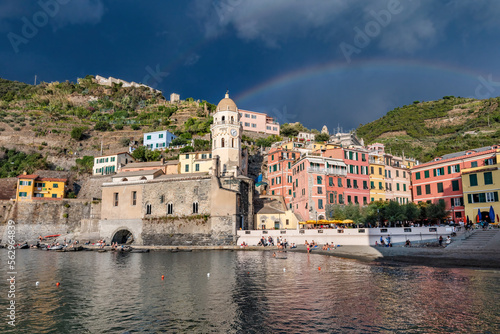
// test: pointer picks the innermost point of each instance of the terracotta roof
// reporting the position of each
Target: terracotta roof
(32, 176)
(52, 179)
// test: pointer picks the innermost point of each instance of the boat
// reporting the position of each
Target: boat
(139, 251)
(52, 236)
(55, 247)
(24, 246)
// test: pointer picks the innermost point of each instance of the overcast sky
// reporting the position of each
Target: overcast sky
(333, 62)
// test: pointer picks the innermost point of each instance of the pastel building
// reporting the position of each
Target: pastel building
(111, 163)
(481, 186)
(396, 175)
(167, 166)
(356, 188)
(195, 162)
(317, 182)
(441, 179)
(258, 122)
(279, 175)
(158, 140)
(33, 187)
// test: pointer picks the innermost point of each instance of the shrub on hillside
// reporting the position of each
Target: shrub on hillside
(102, 126)
(77, 132)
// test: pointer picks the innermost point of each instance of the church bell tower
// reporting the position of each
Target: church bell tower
(226, 137)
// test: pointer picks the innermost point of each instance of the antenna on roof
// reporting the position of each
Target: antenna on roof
(35, 79)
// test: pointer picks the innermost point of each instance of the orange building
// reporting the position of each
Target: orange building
(440, 180)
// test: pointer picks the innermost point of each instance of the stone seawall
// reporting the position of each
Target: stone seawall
(43, 218)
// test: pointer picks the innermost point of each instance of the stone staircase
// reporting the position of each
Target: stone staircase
(478, 240)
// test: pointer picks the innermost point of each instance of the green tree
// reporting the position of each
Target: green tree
(322, 137)
(77, 132)
(85, 164)
(102, 126)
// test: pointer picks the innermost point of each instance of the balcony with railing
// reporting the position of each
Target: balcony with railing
(225, 122)
(328, 171)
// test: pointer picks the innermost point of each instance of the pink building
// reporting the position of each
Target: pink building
(258, 122)
(279, 175)
(316, 183)
(357, 178)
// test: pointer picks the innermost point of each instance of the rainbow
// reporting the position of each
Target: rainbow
(339, 67)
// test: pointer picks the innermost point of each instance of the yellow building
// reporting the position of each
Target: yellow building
(195, 162)
(269, 218)
(480, 187)
(33, 187)
(377, 180)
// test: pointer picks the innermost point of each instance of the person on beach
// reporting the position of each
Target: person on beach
(440, 241)
(308, 248)
(448, 240)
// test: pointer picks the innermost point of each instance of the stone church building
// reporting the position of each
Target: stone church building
(152, 208)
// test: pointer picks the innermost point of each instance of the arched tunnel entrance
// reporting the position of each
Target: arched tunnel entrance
(123, 237)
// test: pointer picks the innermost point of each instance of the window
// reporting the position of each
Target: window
(195, 207)
(453, 169)
(371, 171)
(247, 124)
(162, 199)
(254, 125)
(458, 201)
(134, 197)
(356, 199)
(440, 187)
(397, 173)
(372, 185)
(115, 199)
(438, 171)
(380, 185)
(365, 184)
(341, 199)
(197, 167)
(186, 168)
(380, 171)
(331, 198)
(404, 187)
(404, 174)
(426, 174)
(247, 116)
(483, 197)
(170, 208)
(38, 195)
(348, 183)
(25, 183)
(319, 180)
(363, 158)
(254, 116)
(320, 190)
(148, 137)
(355, 184)
(339, 182)
(113, 159)
(488, 178)
(455, 185)
(490, 161)
(160, 135)
(397, 186)
(417, 176)
(473, 180)
(320, 204)
(330, 181)
(148, 209)
(54, 195)
(473, 164)
(349, 199)
(364, 200)
(419, 190)
(427, 189)
(222, 142)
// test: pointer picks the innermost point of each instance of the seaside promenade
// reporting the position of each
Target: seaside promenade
(479, 249)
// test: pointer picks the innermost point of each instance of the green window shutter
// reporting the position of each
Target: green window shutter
(434, 172)
(426, 174)
(473, 180)
(404, 187)
(417, 176)
(496, 197)
(488, 178)
(449, 169)
(419, 190)
(397, 186)
(454, 185)
(458, 168)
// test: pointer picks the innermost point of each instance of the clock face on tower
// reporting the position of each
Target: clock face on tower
(234, 132)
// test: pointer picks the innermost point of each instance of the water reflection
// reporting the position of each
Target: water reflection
(245, 292)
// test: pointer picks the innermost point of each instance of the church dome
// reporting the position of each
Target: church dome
(227, 104)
